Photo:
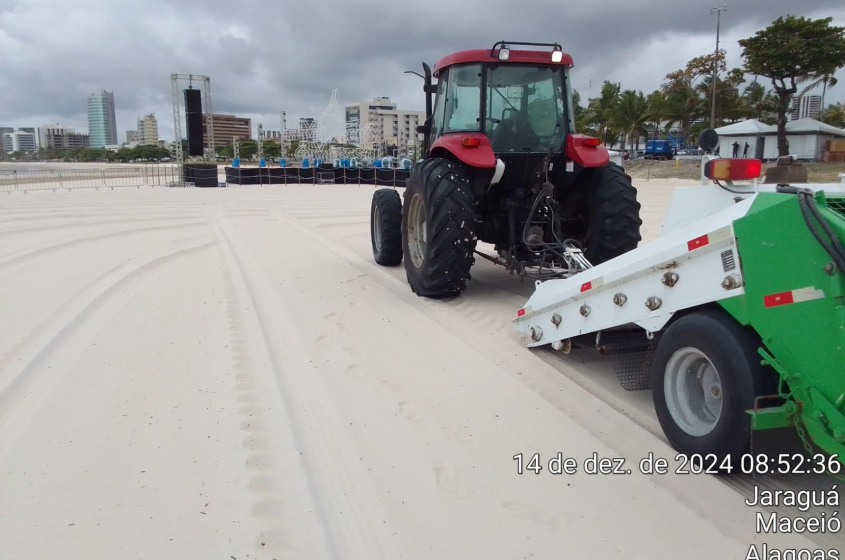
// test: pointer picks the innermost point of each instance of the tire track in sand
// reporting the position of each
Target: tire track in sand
(26, 377)
(41, 248)
(88, 223)
(278, 502)
(355, 528)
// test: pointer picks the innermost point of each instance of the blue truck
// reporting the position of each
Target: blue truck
(659, 149)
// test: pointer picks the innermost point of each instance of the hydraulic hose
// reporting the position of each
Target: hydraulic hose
(813, 218)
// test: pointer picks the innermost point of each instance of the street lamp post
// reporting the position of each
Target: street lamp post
(718, 11)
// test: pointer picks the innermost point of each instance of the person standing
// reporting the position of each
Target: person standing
(745, 150)
(736, 149)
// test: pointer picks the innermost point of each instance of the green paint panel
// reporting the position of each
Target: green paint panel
(806, 339)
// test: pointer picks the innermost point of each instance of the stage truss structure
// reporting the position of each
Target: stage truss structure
(208, 115)
(331, 137)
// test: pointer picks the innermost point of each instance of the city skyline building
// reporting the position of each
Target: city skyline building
(147, 133)
(271, 135)
(56, 137)
(227, 127)
(20, 140)
(805, 106)
(102, 123)
(45, 131)
(390, 125)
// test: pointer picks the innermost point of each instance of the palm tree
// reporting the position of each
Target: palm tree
(582, 115)
(658, 108)
(685, 104)
(630, 116)
(602, 108)
(823, 78)
(834, 115)
(759, 103)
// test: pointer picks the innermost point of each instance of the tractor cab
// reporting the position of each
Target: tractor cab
(518, 100)
(503, 167)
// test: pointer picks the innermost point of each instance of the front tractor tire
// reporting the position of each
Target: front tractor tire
(706, 375)
(386, 227)
(609, 204)
(438, 237)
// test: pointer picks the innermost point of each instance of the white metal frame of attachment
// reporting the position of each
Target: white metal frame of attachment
(692, 265)
(177, 117)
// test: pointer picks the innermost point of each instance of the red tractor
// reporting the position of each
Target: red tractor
(503, 165)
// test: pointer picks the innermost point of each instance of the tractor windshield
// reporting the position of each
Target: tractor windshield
(525, 108)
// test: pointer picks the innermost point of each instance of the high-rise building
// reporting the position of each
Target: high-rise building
(46, 132)
(131, 136)
(293, 135)
(226, 127)
(54, 137)
(21, 140)
(386, 125)
(271, 135)
(102, 125)
(806, 106)
(148, 130)
(3, 131)
(308, 129)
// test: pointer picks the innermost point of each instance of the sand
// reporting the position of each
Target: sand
(226, 373)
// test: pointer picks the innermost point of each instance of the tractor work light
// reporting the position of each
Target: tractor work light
(732, 169)
(592, 142)
(471, 142)
(557, 55)
(504, 53)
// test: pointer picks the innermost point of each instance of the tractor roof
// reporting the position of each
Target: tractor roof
(487, 55)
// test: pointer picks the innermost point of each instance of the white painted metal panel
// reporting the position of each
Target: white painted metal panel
(638, 274)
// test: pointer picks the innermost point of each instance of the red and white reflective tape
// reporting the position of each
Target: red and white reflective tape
(792, 296)
(523, 311)
(592, 284)
(708, 238)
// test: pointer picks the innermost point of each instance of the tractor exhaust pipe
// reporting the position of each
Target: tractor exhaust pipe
(429, 90)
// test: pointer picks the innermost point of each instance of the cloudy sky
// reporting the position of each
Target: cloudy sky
(266, 56)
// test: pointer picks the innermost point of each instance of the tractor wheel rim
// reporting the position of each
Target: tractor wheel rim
(377, 229)
(693, 391)
(417, 230)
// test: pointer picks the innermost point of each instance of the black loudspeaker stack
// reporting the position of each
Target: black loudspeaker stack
(193, 116)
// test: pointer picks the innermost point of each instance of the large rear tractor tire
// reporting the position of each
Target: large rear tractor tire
(386, 227)
(706, 374)
(607, 201)
(438, 222)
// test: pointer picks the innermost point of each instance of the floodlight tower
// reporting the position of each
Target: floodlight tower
(283, 117)
(718, 11)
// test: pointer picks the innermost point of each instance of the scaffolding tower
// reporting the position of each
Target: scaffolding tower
(177, 117)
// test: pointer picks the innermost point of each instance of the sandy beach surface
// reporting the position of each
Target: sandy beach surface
(226, 373)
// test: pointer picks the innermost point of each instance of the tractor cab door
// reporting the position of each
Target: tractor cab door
(457, 107)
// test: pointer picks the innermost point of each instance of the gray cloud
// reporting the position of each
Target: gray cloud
(264, 57)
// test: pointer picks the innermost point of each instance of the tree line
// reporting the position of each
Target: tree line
(794, 54)
(122, 155)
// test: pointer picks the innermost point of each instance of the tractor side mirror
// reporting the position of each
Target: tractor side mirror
(421, 129)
